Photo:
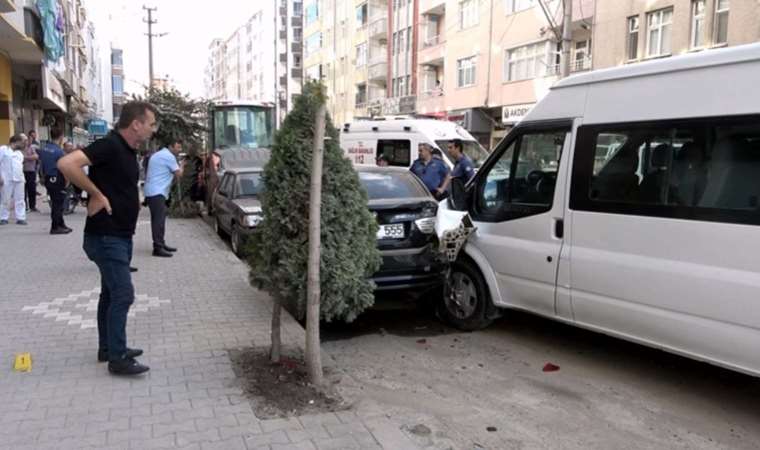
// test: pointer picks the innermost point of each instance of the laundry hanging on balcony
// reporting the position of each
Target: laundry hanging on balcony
(53, 25)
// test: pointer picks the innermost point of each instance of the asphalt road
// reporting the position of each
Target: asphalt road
(487, 389)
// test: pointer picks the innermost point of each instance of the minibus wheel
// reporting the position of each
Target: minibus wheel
(465, 297)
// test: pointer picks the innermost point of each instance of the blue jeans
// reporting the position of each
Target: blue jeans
(112, 255)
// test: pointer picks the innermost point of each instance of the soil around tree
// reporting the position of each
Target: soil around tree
(283, 389)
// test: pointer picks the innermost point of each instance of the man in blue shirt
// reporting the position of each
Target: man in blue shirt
(463, 167)
(54, 182)
(432, 171)
(162, 170)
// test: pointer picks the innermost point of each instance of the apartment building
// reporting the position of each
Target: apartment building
(50, 68)
(484, 64)
(639, 30)
(262, 59)
(118, 96)
(346, 46)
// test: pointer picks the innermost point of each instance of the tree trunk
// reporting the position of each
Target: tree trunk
(313, 355)
(276, 349)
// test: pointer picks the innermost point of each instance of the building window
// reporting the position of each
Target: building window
(312, 13)
(297, 34)
(697, 23)
(582, 59)
(401, 87)
(721, 22)
(659, 24)
(529, 61)
(468, 14)
(313, 44)
(514, 6)
(117, 84)
(297, 9)
(361, 15)
(361, 94)
(296, 61)
(633, 38)
(314, 73)
(116, 58)
(361, 54)
(466, 71)
(409, 39)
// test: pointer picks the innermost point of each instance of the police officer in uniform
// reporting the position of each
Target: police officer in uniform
(54, 181)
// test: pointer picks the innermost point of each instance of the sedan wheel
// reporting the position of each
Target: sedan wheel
(235, 240)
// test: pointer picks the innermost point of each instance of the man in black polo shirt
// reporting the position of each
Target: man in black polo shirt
(111, 220)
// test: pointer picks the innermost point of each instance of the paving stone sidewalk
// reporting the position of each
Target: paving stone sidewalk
(189, 311)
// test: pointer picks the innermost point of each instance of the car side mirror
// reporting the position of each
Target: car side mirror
(458, 197)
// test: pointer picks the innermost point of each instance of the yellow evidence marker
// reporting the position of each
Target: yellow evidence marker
(23, 362)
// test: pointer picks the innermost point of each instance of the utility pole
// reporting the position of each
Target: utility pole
(151, 35)
(567, 38)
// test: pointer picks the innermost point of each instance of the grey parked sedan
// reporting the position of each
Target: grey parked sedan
(236, 205)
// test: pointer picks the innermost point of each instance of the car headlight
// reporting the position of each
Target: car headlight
(426, 225)
(252, 220)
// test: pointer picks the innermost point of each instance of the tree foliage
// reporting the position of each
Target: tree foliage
(279, 249)
(180, 117)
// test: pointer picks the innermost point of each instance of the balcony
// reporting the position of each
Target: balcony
(432, 41)
(432, 56)
(16, 40)
(378, 71)
(431, 102)
(378, 29)
(580, 65)
(432, 7)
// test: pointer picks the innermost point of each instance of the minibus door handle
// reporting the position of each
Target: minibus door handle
(559, 228)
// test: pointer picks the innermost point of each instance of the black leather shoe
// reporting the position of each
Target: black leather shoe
(127, 366)
(59, 231)
(68, 229)
(170, 249)
(131, 353)
(159, 251)
(132, 269)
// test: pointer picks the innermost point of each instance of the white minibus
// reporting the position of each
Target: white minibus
(627, 202)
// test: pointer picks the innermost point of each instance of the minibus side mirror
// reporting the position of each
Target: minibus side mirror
(458, 197)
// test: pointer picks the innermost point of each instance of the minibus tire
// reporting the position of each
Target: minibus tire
(468, 311)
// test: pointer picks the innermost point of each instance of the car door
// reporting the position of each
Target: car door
(224, 194)
(519, 215)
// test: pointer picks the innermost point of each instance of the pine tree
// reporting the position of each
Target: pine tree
(279, 249)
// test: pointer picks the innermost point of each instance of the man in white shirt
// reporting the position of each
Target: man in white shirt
(12, 180)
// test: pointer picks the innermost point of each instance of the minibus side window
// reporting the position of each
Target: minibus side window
(704, 169)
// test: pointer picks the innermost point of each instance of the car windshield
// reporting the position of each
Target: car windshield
(391, 185)
(472, 149)
(248, 184)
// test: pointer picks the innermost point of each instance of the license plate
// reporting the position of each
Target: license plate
(392, 231)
